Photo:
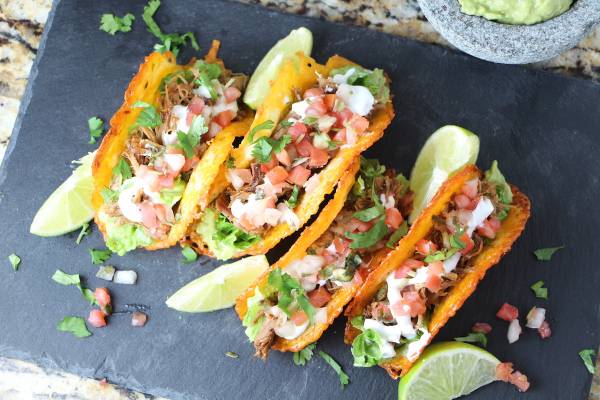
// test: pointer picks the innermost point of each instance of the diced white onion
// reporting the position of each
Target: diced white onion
(535, 317)
(321, 315)
(181, 113)
(483, 210)
(514, 330)
(415, 348)
(288, 330)
(339, 78)
(128, 277)
(358, 98)
(130, 210)
(300, 108)
(106, 272)
(451, 263)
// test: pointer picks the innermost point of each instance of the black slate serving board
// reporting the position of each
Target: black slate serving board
(543, 129)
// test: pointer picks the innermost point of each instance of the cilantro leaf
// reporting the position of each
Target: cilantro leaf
(109, 195)
(148, 117)
(66, 279)
(358, 322)
(95, 127)
(293, 200)
(474, 337)
(112, 24)
(74, 325)
(369, 238)
(372, 80)
(370, 169)
(344, 379)
(545, 254)
(189, 141)
(369, 214)
(230, 162)
(84, 232)
(122, 169)
(189, 255)
(456, 240)
(206, 73)
(15, 261)
(587, 358)
(279, 145)
(304, 355)
(170, 41)
(88, 295)
(289, 290)
(358, 189)
(261, 150)
(266, 125)
(100, 256)
(397, 235)
(540, 291)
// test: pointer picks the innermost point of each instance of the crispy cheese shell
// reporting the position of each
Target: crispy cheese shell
(145, 87)
(297, 251)
(510, 230)
(298, 74)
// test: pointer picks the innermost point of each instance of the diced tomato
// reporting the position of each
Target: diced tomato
(482, 327)
(329, 101)
(174, 161)
(470, 188)
(494, 223)
(426, 247)
(393, 218)
(544, 330)
(214, 129)
(298, 175)
(411, 304)
(342, 117)
(164, 213)
(232, 94)
(468, 242)
(150, 177)
(284, 157)
(361, 276)
(97, 319)
(340, 136)
(318, 158)
(196, 105)
(462, 201)
(277, 175)
(358, 124)
(243, 173)
(434, 276)
(167, 181)
(102, 296)
(486, 230)
(317, 108)
(360, 225)
(304, 147)
(329, 257)
(190, 163)
(138, 319)
(508, 312)
(270, 165)
(297, 130)
(224, 118)
(520, 381)
(319, 297)
(149, 217)
(299, 317)
(402, 271)
(189, 117)
(313, 92)
(410, 264)
(503, 371)
(340, 245)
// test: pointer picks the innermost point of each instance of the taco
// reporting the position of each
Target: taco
(313, 124)
(163, 150)
(294, 302)
(467, 227)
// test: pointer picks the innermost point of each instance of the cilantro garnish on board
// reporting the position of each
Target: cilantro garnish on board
(95, 127)
(74, 325)
(100, 256)
(112, 24)
(169, 41)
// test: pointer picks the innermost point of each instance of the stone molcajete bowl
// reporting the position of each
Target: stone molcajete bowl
(511, 44)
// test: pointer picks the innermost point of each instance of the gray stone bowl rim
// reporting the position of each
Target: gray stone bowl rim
(511, 44)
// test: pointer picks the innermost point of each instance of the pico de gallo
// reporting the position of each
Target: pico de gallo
(164, 145)
(396, 320)
(321, 120)
(373, 217)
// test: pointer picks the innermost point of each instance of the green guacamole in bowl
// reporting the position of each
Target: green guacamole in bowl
(515, 12)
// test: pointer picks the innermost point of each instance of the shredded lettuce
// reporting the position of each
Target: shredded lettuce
(223, 238)
(171, 196)
(251, 321)
(494, 176)
(125, 237)
(372, 80)
(366, 349)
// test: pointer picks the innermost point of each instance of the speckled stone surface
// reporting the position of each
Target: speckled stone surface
(21, 26)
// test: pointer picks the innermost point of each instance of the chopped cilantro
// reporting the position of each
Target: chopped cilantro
(231, 354)
(546, 253)
(358, 189)
(372, 80)
(304, 355)
(366, 347)
(15, 261)
(112, 24)
(289, 290)
(206, 73)
(264, 146)
(122, 169)
(474, 337)
(95, 127)
(100, 256)
(189, 255)
(344, 379)
(85, 230)
(170, 41)
(109, 195)
(358, 322)
(88, 295)
(286, 124)
(268, 124)
(230, 162)
(370, 169)
(456, 241)
(74, 325)
(369, 238)
(493, 175)
(440, 255)
(540, 291)
(369, 214)
(188, 142)
(293, 200)
(148, 117)
(397, 235)
(587, 358)
(65, 279)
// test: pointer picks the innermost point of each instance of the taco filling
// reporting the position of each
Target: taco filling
(322, 119)
(296, 296)
(164, 145)
(396, 319)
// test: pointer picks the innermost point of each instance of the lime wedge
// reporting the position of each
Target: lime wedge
(447, 149)
(70, 205)
(300, 39)
(448, 370)
(219, 289)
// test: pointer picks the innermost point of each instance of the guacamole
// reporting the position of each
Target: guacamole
(516, 12)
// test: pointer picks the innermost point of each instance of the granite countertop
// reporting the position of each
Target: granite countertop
(21, 26)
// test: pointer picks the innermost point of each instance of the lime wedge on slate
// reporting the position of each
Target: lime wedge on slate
(446, 371)
(70, 205)
(447, 149)
(219, 289)
(300, 39)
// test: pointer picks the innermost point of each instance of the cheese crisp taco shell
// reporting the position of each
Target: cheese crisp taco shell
(491, 253)
(170, 195)
(295, 77)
